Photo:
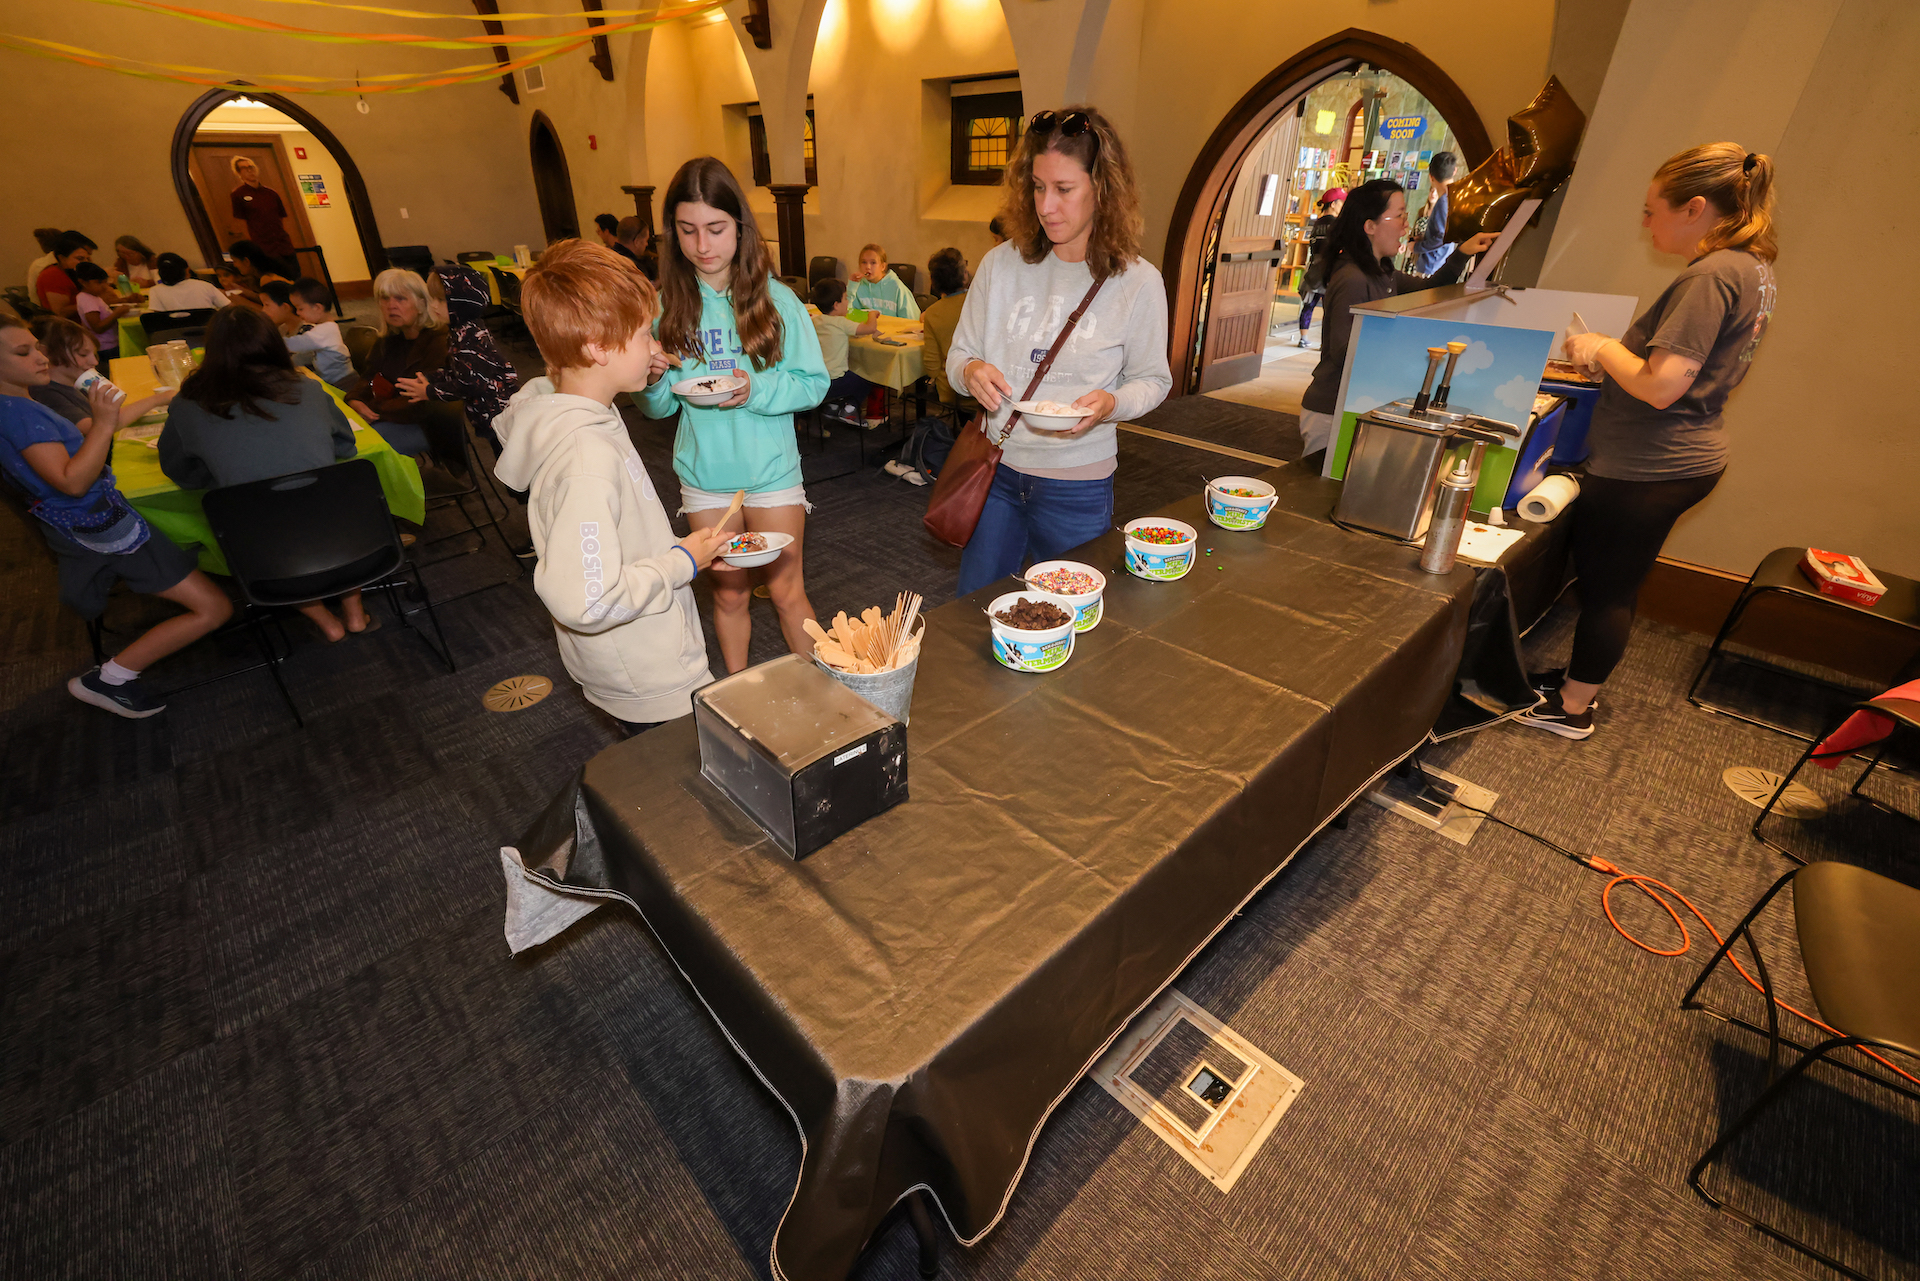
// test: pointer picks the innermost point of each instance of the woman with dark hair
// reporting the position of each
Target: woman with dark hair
(1430, 228)
(1657, 444)
(247, 414)
(947, 277)
(96, 537)
(1359, 256)
(1313, 284)
(254, 267)
(1071, 212)
(722, 312)
(132, 259)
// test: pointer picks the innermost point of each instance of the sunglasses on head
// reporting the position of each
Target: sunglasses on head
(1072, 125)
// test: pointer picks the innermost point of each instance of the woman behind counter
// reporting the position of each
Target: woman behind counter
(1359, 257)
(1657, 444)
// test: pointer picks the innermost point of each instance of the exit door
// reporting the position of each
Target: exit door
(1252, 240)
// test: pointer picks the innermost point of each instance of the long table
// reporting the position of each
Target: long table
(177, 512)
(924, 991)
(886, 366)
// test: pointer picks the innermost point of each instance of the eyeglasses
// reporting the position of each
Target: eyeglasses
(1072, 125)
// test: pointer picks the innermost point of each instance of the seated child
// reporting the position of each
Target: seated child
(73, 369)
(179, 289)
(316, 337)
(610, 572)
(276, 304)
(97, 309)
(848, 390)
(877, 289)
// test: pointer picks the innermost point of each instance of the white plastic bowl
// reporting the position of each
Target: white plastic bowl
(1231, 511)
(1086, 605)
(1161, 562)
(710, 389)
(1030, 651)
(776, 543)
(1047, 422)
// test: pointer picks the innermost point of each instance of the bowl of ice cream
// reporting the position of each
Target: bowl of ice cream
(1239, 502)
(753, 549)
(710, 389)
(1077, 584)
(1160, 549)
(1048, 415)
(1032, 631)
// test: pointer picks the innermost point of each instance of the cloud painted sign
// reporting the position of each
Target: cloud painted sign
(1403, 128)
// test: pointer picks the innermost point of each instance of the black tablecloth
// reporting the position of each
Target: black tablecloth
(922, 992)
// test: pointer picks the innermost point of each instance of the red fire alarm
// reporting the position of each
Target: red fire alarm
(299, 153)
(593, 142)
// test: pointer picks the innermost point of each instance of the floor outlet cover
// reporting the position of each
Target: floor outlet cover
(517, 693)
(1756, 787)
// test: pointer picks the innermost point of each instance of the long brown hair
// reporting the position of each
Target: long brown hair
(706, 181)
(247, 362)
(1739, 186)
(1115, 240)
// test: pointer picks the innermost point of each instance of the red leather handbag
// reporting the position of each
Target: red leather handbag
(960, 492)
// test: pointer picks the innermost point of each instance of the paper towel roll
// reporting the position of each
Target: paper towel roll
(1548, 499)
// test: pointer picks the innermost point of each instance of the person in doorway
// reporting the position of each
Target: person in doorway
(609, 569)
(132, 259)
(1313, 285)
(259, 216)
(96, 537)
(247, 414)
(724, 312)
(55, 289)
(607, 227)
(96, 309)
(413, 341)
(877, 289)
(1430, 228)
(476, 372)
(1658, 444)
(846, 390)
(1360, 250)
(180, 290)
(1073, 223)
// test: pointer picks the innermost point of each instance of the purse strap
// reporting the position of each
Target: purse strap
(1040, 374)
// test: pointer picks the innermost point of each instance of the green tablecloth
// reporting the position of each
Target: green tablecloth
(176, 512)
(133, 337)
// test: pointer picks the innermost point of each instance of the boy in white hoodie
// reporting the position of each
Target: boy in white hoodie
(610, 571)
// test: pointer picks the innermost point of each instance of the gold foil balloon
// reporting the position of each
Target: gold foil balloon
(1541, 141)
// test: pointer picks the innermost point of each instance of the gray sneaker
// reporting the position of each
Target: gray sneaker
(130, 700)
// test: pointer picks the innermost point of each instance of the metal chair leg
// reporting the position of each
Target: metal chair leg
(94, 632)
(1687, 1002)
(924, 1231)
(1774, 800)
(273, 667)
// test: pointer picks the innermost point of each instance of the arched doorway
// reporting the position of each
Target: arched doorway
(207, 224)
(1193, 236)
(551, 183)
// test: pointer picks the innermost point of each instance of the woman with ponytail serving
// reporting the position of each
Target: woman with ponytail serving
(1657, 444)
(722, 312)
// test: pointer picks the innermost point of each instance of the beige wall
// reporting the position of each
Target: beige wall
(455, 158)
(1824, 451)
(333, 228)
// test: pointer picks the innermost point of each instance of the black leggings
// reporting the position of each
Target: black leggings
(1619, 527)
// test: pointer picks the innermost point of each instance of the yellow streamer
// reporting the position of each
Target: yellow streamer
(474, 17)
(492, 68)
(236, 22)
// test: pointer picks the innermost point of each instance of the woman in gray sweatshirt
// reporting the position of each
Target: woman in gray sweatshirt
(1072, 216)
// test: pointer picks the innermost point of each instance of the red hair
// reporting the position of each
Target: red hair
(583, 294)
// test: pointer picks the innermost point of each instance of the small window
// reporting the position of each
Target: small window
(762, 162)
(986, 128)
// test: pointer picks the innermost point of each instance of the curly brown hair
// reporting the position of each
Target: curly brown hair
(1117, 226)
(707, 181)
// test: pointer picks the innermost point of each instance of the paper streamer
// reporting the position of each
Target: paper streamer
(237, 22)
(1548, 499)
(470, 17)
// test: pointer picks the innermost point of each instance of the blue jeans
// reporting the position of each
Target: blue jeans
(849, 388)
(1032, 518)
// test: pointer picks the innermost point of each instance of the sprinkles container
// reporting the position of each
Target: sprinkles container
(1084, 604)
(1239, 511)
(1030, 651)
(1151, 555)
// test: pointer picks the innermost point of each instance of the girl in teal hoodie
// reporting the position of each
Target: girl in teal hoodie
(722, 313)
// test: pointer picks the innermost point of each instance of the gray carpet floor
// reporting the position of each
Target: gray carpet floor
(259, 1020)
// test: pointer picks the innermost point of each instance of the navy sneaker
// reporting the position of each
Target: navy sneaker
(1551, 714)
(130, 700)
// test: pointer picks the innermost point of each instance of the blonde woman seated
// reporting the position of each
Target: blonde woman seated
(413, 342)
(877, 289)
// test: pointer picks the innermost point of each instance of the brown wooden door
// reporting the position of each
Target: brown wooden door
(552, 185)
(212, 170)
(1240, 303)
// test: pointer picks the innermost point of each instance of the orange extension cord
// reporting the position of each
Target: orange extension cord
(1652, 887)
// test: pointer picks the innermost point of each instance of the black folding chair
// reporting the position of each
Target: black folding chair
(360, 341)
(193, 336)
(300, 538)
(414, 258)
(824, 268)
(450, 437)
(906, 271)
(1859, 935)
(509, 285)
(475, 255)
(160, 322)
(1905, 715)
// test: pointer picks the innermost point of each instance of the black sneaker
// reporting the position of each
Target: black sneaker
(1551, 714)
(130, 700)
(1552, 679)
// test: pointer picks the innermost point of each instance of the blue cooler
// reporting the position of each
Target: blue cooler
(1581, 398)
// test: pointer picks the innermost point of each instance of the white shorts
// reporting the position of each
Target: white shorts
(704, 500)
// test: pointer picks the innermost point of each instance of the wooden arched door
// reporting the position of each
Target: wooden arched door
(551, 183)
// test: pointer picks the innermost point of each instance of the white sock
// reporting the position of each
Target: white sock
(114, 674)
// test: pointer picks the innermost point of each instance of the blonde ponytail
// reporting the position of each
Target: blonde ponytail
(1738, 184)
